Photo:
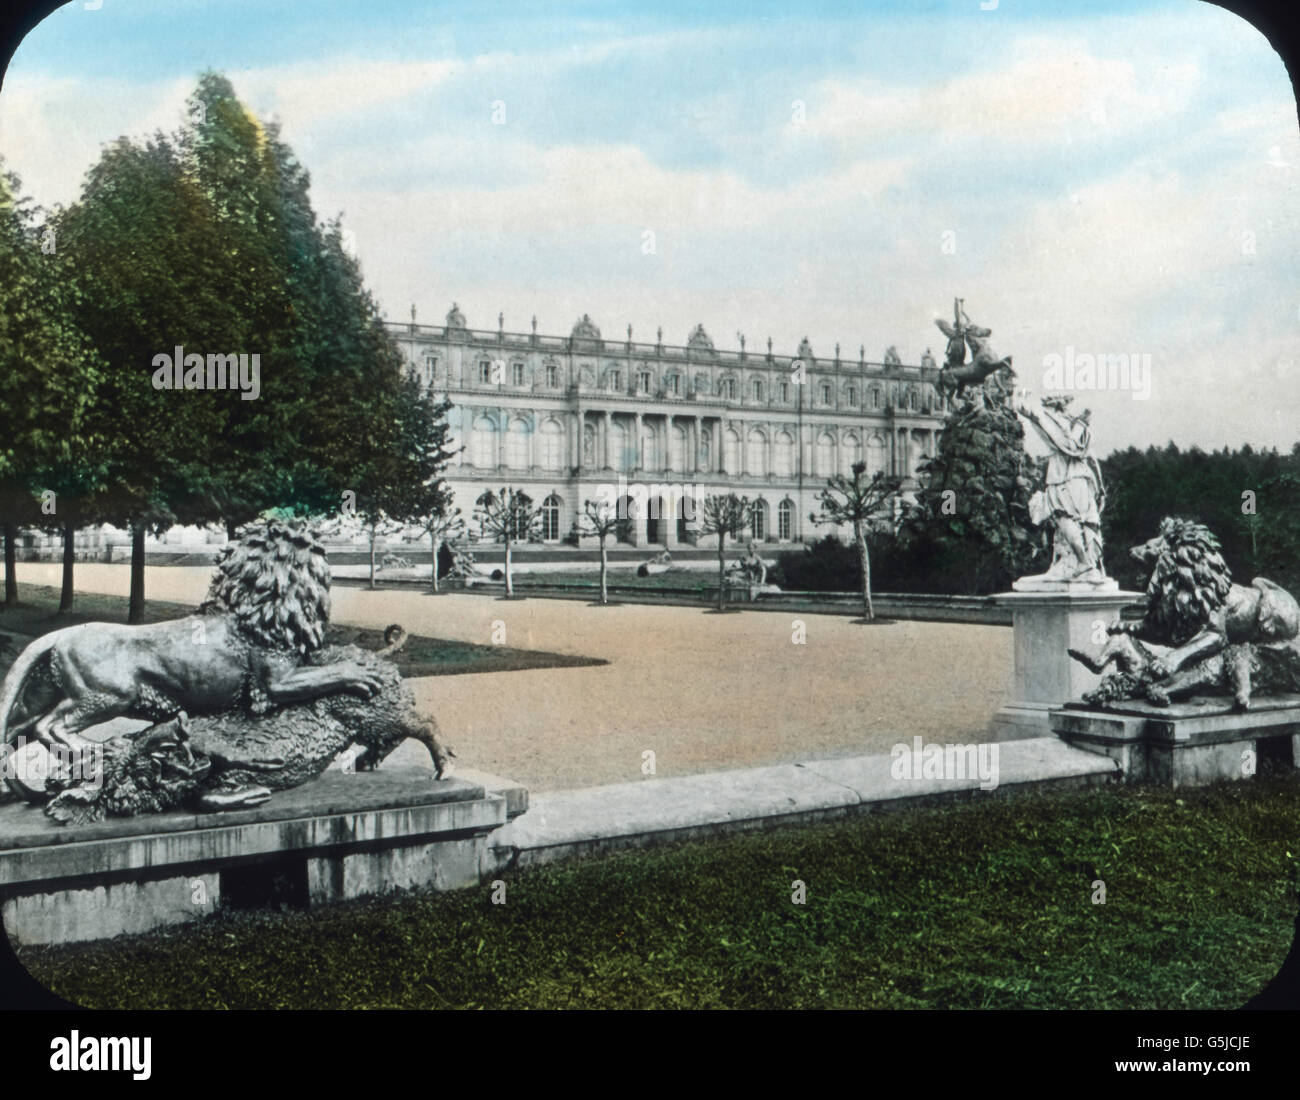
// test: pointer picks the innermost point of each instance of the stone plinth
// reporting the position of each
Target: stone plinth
(340, 836)
(1047, 619)
(1183, 745)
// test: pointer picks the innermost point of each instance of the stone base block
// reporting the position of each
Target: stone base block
(1185, 745)
(341, 836)
(1046, 622)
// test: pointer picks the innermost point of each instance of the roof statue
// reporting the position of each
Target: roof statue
(585, 329)
(891, 357)
(699, 339)
(455, 319)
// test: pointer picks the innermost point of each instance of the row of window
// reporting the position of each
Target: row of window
(491, 374)
(758, 528)
(485, 451)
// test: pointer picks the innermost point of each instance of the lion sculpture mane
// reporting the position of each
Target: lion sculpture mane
(243, 690)
(1222, 637)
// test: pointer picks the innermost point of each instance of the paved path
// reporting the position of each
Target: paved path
(703, 692)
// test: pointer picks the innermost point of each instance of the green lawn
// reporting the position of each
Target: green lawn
(627, 578)
(978, 905)
(420, 656)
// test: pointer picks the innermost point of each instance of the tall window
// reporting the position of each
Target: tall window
(757, 387)
(875, 397)
(618, 440)
(485, 372)
(649, 448)
(850, 452)
(731, 451)
(826, 393)
(430, 368)
(728, 387)
(672, 384)
(552, 375)
(643, 381)
(824, 458)
(914, 400)
(758, 520)
(785, 392)
(784, 520)
(551, 519)
(517, 374)
(783, 460)
(551, 445)
(678, 445)
(483, 443)
(756, 453)
(877, 455)
(853, 395)
(615, 380)
(517, 445)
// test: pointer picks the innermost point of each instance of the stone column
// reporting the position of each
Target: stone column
(504, 423)
(638, 445)
(606, 433)
(694, 463)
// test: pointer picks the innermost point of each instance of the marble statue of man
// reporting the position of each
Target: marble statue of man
(1072, 495)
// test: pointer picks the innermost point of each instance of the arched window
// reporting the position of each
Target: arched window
(756, 453)
(850, 452)
(875, 397)
(824, 459)
(551, 519)
(877, 456)
(758, 520)
(913, 400)
(618, 445)
(649, 447)
(483, 443)
(756, 388)
(517, 445)
(678, 447)
(552, 375)
(783, 459)
(551, 446)
(731, 451)
(785, 520)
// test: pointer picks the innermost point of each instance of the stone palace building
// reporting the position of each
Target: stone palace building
(559, 416)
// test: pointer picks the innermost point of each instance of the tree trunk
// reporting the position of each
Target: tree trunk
(722, 571)
(135, 606)
(232, 528)
(510, 591)
(868, 612)
(435, 541)
(372, 557)
(11, 564)
(604, 567)
(69, 556)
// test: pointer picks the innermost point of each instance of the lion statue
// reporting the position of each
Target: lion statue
(231, 761)
(255, 646)
(1221, 637)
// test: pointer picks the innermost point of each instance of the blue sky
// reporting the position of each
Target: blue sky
(1111, 177)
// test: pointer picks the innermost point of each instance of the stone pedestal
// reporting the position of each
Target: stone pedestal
(1187, 744)
(1048, 618)
(340, 836)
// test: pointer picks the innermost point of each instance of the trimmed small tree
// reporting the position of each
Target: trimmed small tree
(724, 515)
(858, 501)
(438, 527)
(508, 515)
(601, 519)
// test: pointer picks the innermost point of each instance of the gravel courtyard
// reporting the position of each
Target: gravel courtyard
(703, 691)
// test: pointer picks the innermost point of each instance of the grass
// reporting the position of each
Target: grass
(978, 905)
(37, 614)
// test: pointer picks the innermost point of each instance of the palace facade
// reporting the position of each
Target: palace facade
(560, 416)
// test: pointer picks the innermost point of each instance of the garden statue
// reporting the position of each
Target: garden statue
(245, 695)
(1222, 638)
(750, 569)
(955, 375)
(1073, 494)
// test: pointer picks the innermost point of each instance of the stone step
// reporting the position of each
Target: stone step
(563, 824)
